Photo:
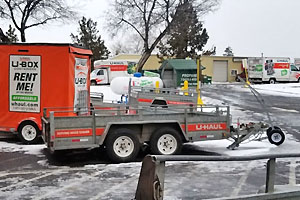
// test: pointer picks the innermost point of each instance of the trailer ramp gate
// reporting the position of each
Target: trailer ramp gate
(151, 181)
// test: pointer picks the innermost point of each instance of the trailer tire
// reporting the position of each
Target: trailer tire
(165, 141)
(93, 83)
(271, 128)
(272, 81)
(122, 145)
(28, 132)
(276, 136)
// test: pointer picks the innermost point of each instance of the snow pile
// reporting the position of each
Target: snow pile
(282, 89)
(27, 149)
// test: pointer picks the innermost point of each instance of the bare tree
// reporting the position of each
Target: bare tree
(30, 13)
(210, 52)
(152, 17)
(129, 43)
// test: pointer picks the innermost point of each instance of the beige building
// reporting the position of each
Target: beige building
(220, 68)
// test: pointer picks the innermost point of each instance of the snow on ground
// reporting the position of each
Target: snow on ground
(282, 89)
(246, 148)
(27, 149)
(254, 147)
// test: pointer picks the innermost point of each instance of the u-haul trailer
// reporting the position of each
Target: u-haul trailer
(123, 129)
(35, 76)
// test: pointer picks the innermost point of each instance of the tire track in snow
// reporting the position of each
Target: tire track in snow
(114, 188)
(29, 180)
(74, 183)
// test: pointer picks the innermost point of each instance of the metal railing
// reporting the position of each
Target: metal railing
(151, 181)
(119, 109)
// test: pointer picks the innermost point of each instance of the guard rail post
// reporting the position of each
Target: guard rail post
(94, 126)
(151, 181)
(270, 176)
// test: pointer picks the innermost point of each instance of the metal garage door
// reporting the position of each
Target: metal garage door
(220, 72)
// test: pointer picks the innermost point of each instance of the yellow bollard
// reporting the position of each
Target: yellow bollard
(245, 64)
(186, 87)
(157, 87)
(199, 100)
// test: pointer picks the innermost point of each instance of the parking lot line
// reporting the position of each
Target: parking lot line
(242, 180)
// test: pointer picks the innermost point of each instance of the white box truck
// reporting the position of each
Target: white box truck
(106, 70)
(272, 70)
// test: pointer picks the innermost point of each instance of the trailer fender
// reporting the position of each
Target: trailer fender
(38, 122)
(110, 127)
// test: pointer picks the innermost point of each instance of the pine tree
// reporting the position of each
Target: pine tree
(88, 37)
(11, 34)
(187, 37)
(228, 52)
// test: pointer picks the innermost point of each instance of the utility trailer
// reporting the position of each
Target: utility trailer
(162, 96)
(123, 129)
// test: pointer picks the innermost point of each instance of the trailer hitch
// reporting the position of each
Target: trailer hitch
(245, 131)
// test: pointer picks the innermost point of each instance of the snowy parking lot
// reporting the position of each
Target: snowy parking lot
(27, 171)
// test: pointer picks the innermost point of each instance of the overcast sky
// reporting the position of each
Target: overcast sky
(250, 27)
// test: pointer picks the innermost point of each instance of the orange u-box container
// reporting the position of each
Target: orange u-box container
(38, 76)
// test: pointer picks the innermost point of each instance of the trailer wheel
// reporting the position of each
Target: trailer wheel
(93, 83)
(122, 145)
(271, 128)
(276, 136)
(272, 81)
(28, 132)
(165, 141)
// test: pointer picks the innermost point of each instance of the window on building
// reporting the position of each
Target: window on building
(233, 72)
